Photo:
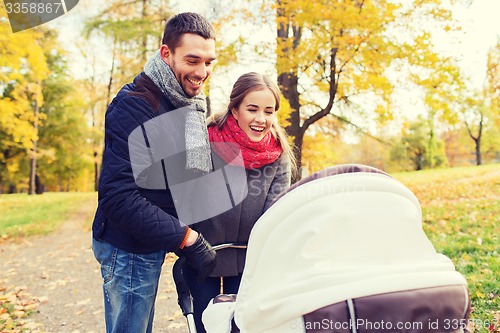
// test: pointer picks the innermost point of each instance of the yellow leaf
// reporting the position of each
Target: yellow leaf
(9, 324)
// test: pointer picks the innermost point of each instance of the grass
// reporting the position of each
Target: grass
(461, 209)
(26, 215)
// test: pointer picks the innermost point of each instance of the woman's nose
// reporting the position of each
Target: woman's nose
(259, 116)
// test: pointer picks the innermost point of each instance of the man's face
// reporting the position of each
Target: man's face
(191, 61)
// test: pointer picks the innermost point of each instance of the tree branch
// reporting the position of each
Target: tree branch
(332, 91)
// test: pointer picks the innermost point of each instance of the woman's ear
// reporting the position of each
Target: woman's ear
(235, 113)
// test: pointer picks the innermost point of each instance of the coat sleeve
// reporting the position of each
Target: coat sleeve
(120, 198)
(281, 181)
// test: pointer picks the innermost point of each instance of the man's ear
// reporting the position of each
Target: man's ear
(165, 53)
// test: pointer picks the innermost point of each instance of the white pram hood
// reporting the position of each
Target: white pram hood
(331, 239)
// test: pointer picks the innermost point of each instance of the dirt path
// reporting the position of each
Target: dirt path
(60, 270)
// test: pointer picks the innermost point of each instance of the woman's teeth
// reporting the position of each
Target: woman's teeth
(258, 129)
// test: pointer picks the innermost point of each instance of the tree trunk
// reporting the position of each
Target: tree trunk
(430, 152)
(32, 185)
(96, 154)
(145, 37)
(39, 187)
(289, 86)
(477, 139)
(96, 172)
(288, 81)
(3, 166)
(419, 162)
(478, 151)
(110, 82)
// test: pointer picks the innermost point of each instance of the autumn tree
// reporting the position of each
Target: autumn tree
(133, 30)
(410, 153)
(442, 88)
(319, 151)
(492, 97)
(474, 111)
(223, 19)
(458, 146)
(480, 109)
(64, 136)
(333, 53)
(95, 92)
(412, 150)
(43, 130)
(493, 82)
(22, 69)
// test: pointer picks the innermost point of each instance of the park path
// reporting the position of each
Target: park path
(59, 271)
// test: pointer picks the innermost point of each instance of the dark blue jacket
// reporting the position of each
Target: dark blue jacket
(129, 217)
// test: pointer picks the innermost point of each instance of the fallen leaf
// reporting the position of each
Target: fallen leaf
(84, 302)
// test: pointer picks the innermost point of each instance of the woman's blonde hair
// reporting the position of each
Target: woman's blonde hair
(245, 84)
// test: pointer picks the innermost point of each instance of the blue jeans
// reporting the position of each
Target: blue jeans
(130, 287)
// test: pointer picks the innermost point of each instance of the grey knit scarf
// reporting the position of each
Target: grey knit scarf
(197, 146)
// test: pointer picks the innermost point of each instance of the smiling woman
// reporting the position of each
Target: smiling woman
(246, 136)
(256, 114)
(250, 120)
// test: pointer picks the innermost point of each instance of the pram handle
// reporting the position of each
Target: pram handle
(184, 298)
(229, 246)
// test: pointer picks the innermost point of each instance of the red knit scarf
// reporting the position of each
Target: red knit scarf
(255, 154)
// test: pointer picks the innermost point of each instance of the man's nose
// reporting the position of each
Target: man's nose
(201, 71)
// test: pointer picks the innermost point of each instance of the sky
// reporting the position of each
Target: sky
(480, 22)
(481, 30)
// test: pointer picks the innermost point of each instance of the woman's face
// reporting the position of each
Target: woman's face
(256, 114)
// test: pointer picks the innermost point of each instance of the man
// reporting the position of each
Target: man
(136, 221)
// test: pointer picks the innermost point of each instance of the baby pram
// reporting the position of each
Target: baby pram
(344, 251)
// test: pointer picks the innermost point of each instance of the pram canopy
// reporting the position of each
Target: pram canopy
(345, 233)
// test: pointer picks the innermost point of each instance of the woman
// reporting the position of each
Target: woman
(250, 125)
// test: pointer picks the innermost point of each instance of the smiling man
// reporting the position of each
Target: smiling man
(190, 59)
(135, 226)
